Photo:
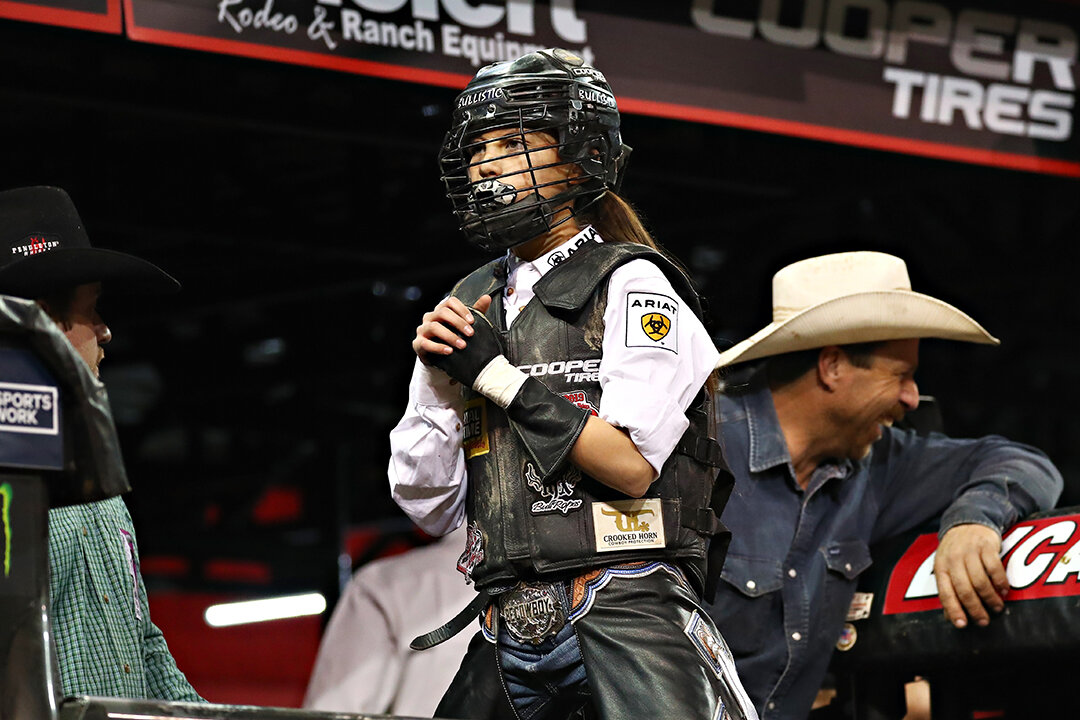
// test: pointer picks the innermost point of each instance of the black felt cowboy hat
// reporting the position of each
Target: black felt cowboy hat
(44, 248)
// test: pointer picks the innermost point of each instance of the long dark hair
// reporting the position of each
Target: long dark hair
(618, 221)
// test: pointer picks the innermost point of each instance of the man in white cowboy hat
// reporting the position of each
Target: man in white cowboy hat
(106, 643)
(821, 473)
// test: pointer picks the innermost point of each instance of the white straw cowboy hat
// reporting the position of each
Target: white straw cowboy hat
(851, 297)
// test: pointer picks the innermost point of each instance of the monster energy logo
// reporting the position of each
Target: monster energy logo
(5, 513)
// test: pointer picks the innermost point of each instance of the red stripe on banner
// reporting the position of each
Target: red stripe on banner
(858, 138)
(110, 22)
(943, 151)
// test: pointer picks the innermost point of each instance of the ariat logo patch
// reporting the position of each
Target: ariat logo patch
(628, 524)
(474, 429)
(656, 325)
(563, 252)
(652, 321)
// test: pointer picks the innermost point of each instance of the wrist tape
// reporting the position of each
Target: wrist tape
(499, 381)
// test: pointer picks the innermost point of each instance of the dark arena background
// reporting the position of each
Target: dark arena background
(300, 206)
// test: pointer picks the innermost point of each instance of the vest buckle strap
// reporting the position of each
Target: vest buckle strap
(532, 612)
(702, 448)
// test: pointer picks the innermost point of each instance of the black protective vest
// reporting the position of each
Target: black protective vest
(531, 528)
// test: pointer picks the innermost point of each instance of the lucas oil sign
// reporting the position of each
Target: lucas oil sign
(1041, 558)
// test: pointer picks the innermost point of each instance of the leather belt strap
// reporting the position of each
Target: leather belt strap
(455, 625)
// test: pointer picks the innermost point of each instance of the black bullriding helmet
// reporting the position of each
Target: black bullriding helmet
(553, 91)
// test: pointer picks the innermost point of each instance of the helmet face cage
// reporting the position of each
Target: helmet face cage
(540, 92)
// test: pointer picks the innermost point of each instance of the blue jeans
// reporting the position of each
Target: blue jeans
(546, 680)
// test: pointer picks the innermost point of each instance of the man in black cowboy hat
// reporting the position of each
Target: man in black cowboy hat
(106, 643)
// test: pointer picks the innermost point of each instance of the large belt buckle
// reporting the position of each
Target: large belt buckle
(532, 612)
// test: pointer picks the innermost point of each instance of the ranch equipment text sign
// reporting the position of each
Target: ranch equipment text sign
(983, 82)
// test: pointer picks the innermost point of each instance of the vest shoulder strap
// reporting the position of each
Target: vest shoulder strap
(488, 279)
(570, 285)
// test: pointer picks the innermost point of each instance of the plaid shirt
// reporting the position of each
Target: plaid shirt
(105, 641)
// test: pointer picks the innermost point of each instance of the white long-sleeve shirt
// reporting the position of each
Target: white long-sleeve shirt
(647, 385)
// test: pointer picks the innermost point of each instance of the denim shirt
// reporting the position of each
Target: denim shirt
(795, 554)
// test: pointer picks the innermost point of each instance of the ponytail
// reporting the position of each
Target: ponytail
(617, 221)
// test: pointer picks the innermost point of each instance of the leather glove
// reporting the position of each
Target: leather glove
(547, 424)
(480, 350)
